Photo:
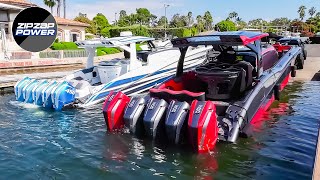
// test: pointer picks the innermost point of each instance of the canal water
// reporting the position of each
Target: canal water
(41, 144)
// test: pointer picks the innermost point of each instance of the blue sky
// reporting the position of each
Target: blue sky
(247, 9)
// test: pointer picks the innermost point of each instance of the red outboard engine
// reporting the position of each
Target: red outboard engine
(203, 126)
(113, 110)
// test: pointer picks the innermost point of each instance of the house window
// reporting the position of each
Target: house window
(4, 16)
(74, 36)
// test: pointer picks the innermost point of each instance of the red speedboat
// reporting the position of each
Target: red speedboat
(213, 102)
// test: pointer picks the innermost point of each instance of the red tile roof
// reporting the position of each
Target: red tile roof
(62, 21)
(21, 3)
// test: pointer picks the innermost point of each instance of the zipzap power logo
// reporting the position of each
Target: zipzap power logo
(34, 29)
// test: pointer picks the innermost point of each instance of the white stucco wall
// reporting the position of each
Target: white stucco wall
(68, 30)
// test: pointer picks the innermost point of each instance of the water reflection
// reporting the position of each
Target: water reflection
(42, 144)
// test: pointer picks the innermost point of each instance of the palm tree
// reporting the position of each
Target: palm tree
(208, 20)
(50, 4)
(233, 15)
(58, 7)
(312, 11)
(302, 12)
(64, 8)
(199, 23)
(189, 16)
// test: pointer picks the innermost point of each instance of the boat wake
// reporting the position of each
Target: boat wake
(23, 105)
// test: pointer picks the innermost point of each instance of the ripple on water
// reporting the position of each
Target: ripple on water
(43, 144)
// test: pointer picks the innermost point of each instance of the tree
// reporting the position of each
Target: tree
(153, 20)
(143, 16)
(58, 7)
(122, 14)
(318, 15)
(178, 21)
(241, 24)
(302, 12)
(226, 25)
(208, 20)
(64, 9)
(50, 4)
(200, 23)
(312, 11)
(233, 15)
(258, 22)
(190, 19)
(162, 21)
(101, 22)
(283, 21)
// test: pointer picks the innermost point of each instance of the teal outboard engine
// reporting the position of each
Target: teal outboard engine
(19, 87)
(63, 94)
(27, 91)
(46, 94)
(37, 92)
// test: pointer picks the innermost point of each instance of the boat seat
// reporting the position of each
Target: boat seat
(249, 69)
(183, 95)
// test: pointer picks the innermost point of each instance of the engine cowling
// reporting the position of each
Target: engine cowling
(202, 126)
(113, 110)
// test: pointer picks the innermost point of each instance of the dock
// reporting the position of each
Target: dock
(8, 81)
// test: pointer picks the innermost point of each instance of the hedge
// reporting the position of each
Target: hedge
(136, 30)
(104, 51)
(64, 46)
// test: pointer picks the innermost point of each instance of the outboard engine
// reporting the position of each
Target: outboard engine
(19, 86)
(175, 121)
(46, 94)
(62, 94)
(154, 118)
(37, 92)
(113, 110)
(203, 126)
(133, 115)
(27, 91)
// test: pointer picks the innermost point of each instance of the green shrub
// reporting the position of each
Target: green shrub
(100, 52)
(64, 46)
(105, 50)
(138, 48)
(88, 37)
(136, 30)
(226, 25)
(181, 32)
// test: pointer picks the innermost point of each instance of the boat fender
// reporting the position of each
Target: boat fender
(202, 126)
(113, 110)
(133, 115)
(154, 118)
(19, 86)
(37, 92)
(176, 123)
(63, 95)
(293, 71)
(27, 94)
(276, 92)
(46, 94)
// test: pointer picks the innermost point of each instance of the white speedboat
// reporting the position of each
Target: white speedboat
(136, 73)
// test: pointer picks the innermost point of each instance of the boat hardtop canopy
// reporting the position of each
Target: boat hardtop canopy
(127, 43)
(113, 42)
(251, 40)
(231, 38)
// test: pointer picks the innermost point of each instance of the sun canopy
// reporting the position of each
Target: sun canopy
(113, 42)
(231, 38)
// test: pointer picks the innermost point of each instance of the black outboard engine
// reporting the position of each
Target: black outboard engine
(176, 123)
(154, 118)
(133, 115)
